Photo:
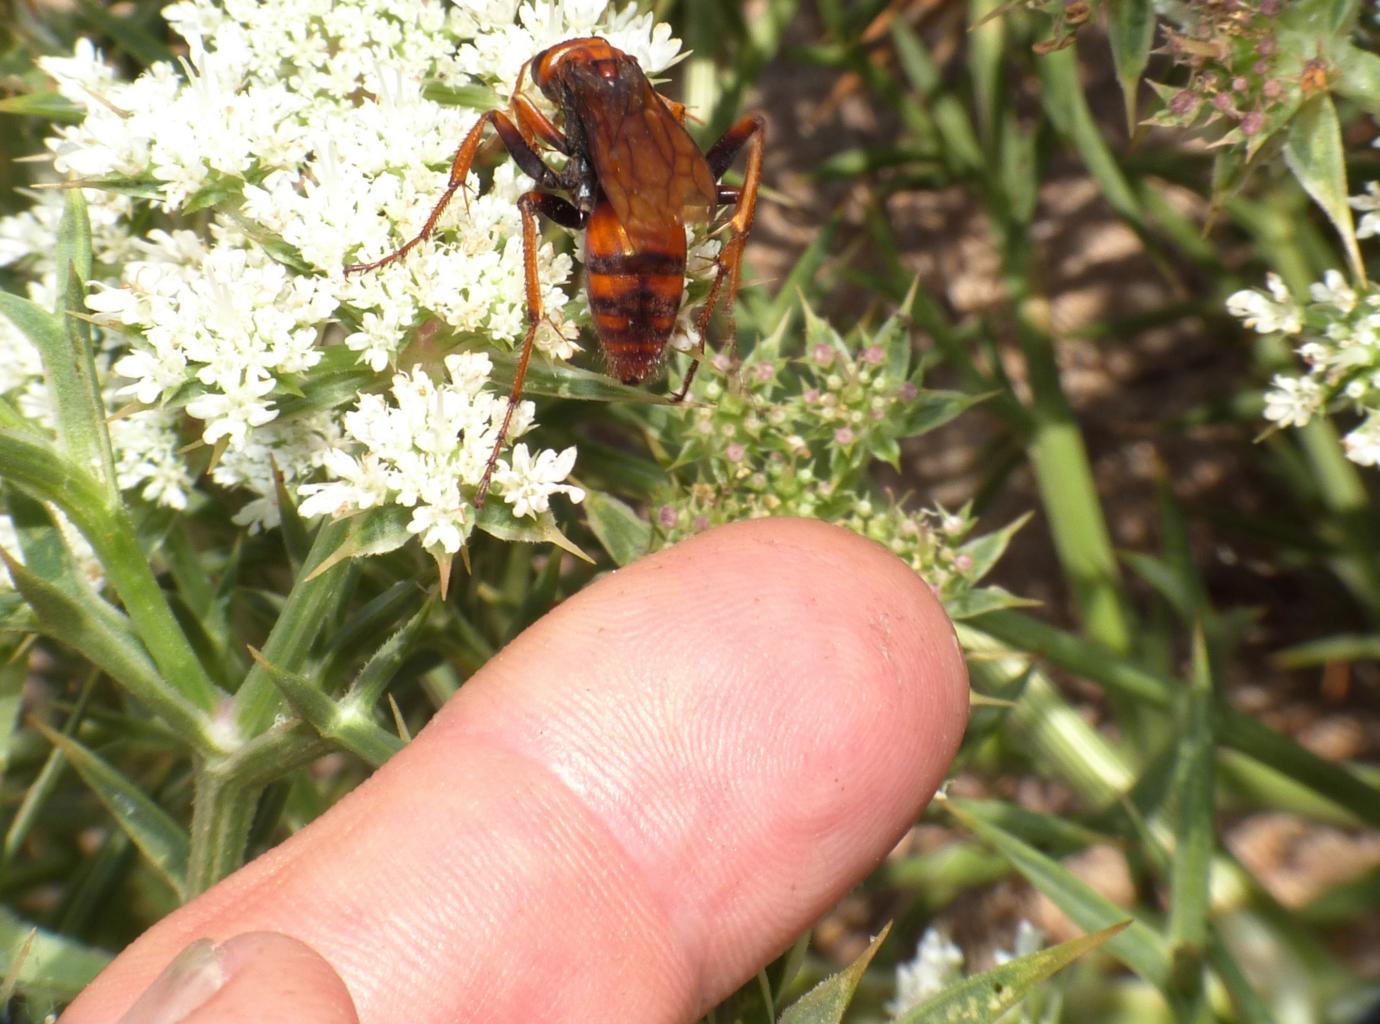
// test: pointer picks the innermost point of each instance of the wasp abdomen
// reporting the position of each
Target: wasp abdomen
(634, 297)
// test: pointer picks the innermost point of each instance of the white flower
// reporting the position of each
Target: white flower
(233, 410)
(147, 457)
(1334, 291)
(442, 528)
(1264, 314)
(527, 484)
(359, 484)
(1029, 939)
(1369, 224)
(1362, 445)
(938, 963)
(1292, 401)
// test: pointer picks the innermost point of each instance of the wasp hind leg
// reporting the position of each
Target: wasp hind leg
(749, 131)
(530, 204)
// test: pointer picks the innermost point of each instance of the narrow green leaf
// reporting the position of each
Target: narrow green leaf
(1131, 31)
(781, 309)
(827, 1001)
(14, 673)
(345, 728)
(983, 601)
(984, 552)
(560, 380)
(159, 838)
(47, 476)
(476, 97)
(1251, 1008)
(296, 536)
(1018, 170)
(315, 596)
(624, 534)
(497, 520)
(1053, 835)
(56, 966)
(1087, 658)
(71, 371)
(49, 105)
(47, 333)
(73, 249)
(986, 65)
(932, 409)
(376, 531)
(1066, 105)
(1194, 836)
(1336, 782)
(984, 997)
(100, 634)
(126, 29)
(1138, 947)
(1343, 648)
(121, 184)
(1313, 152)
(44, 549)
(380, 669)
(38, 791)
(914, 59)
(1165, 580)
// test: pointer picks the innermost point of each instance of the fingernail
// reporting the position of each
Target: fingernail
(185, 984)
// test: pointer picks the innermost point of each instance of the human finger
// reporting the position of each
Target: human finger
(633, 806)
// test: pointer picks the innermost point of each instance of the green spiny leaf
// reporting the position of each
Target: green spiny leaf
(984, 997)
(827, 1001)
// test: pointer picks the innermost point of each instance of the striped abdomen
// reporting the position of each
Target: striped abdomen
(633, 295)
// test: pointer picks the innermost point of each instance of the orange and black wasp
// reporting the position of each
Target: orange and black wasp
(633, 179)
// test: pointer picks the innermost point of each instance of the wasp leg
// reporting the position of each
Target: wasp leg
(518, 148)
(567, 215)
(536, 125)
(749, 130)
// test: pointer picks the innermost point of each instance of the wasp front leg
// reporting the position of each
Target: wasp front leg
(567, 215)
(750, 131)
(534, 125)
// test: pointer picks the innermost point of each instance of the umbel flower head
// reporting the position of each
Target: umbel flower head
(1336, 334)
(291, 139)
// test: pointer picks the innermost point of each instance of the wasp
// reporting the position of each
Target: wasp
(633, 179)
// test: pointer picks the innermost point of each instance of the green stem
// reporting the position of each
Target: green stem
(314, 598)
(222, 813)
(1064, 474)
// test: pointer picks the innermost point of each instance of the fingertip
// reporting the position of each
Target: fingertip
(754, 715)
(828, 594)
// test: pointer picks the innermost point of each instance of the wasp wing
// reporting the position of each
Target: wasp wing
(654, 175)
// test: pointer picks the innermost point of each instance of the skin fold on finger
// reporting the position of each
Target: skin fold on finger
(644, 797)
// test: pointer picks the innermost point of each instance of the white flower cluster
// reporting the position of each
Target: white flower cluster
(938, 964)
(300, 134)
(427, 451)
(1338, 334)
